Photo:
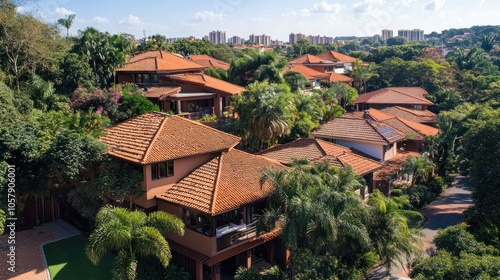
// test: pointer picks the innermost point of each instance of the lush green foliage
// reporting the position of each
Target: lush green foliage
(274, 273)
(132, 235)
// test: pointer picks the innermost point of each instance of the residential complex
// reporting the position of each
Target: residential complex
(217, 37)
(411, 35)
(387, 33)
(264, 40)
(315, 40)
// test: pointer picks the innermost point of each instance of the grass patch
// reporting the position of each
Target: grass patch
(66, 259)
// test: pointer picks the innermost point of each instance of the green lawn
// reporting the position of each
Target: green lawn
(66, 259)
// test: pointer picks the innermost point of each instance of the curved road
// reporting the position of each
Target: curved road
(446, 211)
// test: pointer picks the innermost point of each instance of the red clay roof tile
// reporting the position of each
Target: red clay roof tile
(420, 116)
(159, 61)
(224, 183)
(155, 137)
(209, 61)
(395, 96)
(208, 82)
(336, 56)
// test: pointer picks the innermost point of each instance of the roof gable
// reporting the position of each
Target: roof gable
(336, 56)
(155, 137)
(226, 182)
(359, 130)
(209, 61)
(395, 95)
(158, 61)
(317, 150)
(208, 82)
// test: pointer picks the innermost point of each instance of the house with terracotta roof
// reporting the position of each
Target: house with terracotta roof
(376, 139)
(177, 84)
(415, 115)
(317, 150)
(325, 63)
(416, 133)
(343, 62)
(209, 61)
(194, 172)
(315, 77)
(405, 97)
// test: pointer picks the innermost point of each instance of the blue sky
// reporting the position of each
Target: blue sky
(274, 18)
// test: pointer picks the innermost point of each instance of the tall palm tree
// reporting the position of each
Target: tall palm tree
(132, 235)
(362, 74)
(391, 236)
(315, 207)
(67, 22)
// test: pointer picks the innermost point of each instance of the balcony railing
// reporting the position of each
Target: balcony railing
(235, 234)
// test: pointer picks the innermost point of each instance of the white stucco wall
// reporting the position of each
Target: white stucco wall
(391, 152)
(375, 150)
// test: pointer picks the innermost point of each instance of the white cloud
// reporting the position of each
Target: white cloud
(209, 16)
(99, 19)
(324, 7)
(133, 21)
(21, 9)
(63, 11)
(435, 5)
(289, 14)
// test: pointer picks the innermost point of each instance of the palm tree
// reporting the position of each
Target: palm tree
(419, 168)
(132, 235)
(363, 73)
(315, 207)
(296, 80)
(391, 236)
(67, 22)
(488, 42)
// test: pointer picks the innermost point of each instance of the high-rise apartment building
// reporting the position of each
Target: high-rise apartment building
(217, 37)
(294, 37)
(236, 40)
(406, 33)
(417, 35)
(387, 33)
(263, 39)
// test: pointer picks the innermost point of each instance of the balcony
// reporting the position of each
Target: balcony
(233, 234)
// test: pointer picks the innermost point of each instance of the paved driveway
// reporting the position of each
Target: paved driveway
(446, 211)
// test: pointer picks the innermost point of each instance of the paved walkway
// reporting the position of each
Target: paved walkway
(30, 263)
(446, 211)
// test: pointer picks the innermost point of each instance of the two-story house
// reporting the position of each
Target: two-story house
(316, 77)
(194, 172)
(177, 84)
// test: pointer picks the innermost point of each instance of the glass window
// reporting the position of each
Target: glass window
(138, 79)
(170, 168)
(154, 171)
(162, 169)
(145, 78)
(134, 78)
(154, 79)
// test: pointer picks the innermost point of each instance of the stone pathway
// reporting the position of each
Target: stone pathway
(30, 262)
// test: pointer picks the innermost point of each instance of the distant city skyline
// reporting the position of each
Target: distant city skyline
(274, 18)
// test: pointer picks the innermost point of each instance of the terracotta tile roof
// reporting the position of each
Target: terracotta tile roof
(334, 77)
(308, 59)
(159, 61)
(160, 92)
(413, 130)
(208, 82)
(392, 166)
(359, 129)
(420, 116)
(336, 56)
(209, 61)
(318, 150)
(309, 73)
(396, 96)
(155, 137)
(224, 183)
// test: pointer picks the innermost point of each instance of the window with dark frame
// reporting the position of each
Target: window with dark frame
(162, 169)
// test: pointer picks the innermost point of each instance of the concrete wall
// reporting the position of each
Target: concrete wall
(391, 152)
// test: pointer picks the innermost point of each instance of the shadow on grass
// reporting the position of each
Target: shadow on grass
(66, 259)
